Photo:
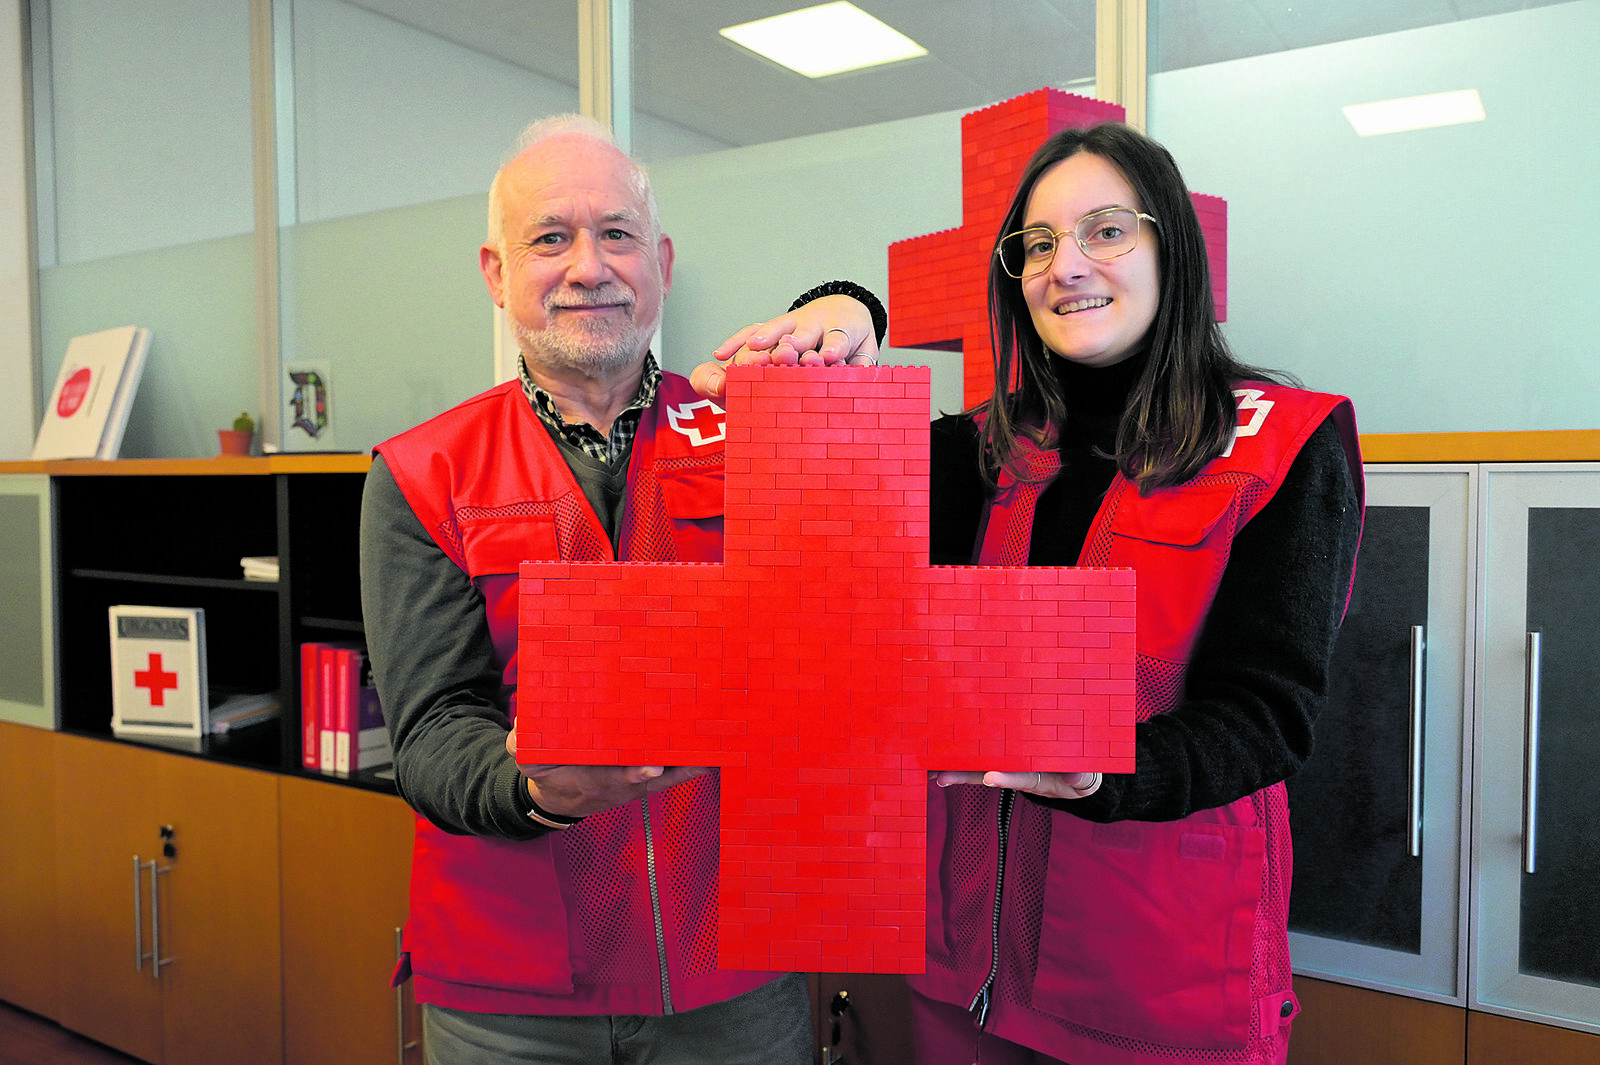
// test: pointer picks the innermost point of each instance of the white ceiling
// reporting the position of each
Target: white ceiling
(980, 51)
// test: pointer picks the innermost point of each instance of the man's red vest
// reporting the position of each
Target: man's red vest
(564, 924)
(1134, 942)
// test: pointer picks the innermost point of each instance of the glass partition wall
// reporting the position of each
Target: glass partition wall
(394, 116)
(143, 194)
(1388, 267)
(383, 121)
(771, 182)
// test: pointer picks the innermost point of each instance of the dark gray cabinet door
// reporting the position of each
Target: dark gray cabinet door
(1376, 810)
(1537, 952)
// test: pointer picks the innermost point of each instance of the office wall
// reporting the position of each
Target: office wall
(755, 227)
(19, 368)
(145, 203)
(1398, 269)
(1443, 278)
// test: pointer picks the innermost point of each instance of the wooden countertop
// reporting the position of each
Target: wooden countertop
(1559, 445)
(285, 463)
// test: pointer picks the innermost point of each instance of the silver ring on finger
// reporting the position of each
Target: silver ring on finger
(1083, 791)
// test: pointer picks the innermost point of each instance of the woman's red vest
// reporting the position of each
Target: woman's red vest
(1134, 942)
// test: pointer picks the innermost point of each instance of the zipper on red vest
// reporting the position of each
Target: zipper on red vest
(655, 908)
(979, 1007)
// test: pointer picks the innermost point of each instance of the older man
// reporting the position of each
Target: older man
(565, 913)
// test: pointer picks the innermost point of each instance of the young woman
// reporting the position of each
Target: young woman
(1138, 918)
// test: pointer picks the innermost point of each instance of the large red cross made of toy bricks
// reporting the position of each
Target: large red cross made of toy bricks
(939, 282)
(826, 668)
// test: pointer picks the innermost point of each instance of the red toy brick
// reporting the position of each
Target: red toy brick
(826, 668)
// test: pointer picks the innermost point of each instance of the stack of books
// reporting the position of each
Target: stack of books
(259, 567)
(341, 724)
(233, 713)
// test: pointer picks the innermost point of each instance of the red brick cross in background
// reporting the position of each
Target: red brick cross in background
(938, 283)
(826, 668)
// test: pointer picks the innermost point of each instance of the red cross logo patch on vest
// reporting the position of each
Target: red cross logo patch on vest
(703, 422)
(1250, 403)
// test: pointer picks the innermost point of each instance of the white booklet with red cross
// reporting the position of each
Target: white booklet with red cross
(158, 671)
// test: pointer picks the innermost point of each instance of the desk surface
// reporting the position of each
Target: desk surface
(1557, 445)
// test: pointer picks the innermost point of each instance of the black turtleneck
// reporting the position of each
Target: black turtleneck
(1260, 667)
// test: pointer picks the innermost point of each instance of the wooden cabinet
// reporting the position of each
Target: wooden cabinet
(346, 857)
(144, 898)
(1340, 1024)
(30, 973)
(272, 903)
(1495, 1040)
(168, 904)
(862, 1019)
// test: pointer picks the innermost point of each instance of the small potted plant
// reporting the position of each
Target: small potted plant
(236, 441)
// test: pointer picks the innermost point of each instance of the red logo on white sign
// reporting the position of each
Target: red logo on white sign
(73, 392)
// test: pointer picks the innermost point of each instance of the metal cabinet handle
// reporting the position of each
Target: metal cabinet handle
(1418, 686)
(1530, 755)
(156, 960)
(138, 916)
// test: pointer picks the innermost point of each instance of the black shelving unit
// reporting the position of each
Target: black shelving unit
(175, 539)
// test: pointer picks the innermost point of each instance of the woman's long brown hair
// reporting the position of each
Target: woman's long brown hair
(1181, 413)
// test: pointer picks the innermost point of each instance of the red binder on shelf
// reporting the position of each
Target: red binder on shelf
(361, 740)
(341, 722)
(310, 687)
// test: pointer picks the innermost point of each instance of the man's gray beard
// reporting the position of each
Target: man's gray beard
(554, 348)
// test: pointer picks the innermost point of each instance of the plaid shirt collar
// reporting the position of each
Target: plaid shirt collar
(605, 448)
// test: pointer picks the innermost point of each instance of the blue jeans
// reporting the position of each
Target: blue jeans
(771, 1025)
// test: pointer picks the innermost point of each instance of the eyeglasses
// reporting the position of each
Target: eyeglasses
(1105, 234)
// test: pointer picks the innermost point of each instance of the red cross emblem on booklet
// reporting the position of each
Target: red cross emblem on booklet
(826, 668)
(156, 680)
